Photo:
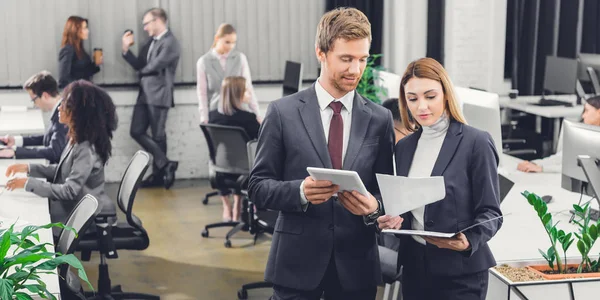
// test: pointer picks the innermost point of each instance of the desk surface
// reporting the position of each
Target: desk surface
(522, 233)
(21, 122)
(30, 209)
(523, 103)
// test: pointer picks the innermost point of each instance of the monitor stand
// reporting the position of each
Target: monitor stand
(591, 169)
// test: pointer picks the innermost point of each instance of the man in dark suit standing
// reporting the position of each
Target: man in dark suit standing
(43, 91)
(156, 65)
(325, 243)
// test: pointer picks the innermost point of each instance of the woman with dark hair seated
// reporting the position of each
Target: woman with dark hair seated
(230, 113)
(392, 105)
(89, 113)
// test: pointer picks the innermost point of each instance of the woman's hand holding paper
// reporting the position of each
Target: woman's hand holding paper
(389, 222)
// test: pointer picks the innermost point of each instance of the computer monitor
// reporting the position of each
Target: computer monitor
(586, 60)
(482, 111)
(390, 82)
(578, 139)
(292, 78)
(560, 75)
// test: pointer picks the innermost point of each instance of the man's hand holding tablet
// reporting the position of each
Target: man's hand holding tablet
(318, 191)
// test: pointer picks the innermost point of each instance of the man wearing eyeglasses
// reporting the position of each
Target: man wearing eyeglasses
(43, 91)
(156, 64)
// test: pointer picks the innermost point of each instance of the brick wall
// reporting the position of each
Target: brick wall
(474, 41)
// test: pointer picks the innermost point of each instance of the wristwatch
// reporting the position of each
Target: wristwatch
(372, 217)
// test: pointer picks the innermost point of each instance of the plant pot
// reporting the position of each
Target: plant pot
(540, 268)
(502, 288)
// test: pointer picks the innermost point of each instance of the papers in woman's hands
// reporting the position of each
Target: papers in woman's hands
(346, 180)
(403, 194)
(433, 233)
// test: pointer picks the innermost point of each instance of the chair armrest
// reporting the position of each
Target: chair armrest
(520, 152)
(514, 141)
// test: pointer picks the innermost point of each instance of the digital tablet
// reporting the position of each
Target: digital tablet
(346, 180)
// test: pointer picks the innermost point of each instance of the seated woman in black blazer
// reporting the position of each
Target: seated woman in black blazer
(444, 145)
(73, 62)
(230, 113)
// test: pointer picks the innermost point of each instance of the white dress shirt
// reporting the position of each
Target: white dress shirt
(202, 82)
(324, 98)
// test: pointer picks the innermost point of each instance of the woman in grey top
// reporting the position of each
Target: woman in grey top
(219, 62)
(89, 113)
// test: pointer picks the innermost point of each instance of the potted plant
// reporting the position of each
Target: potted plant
(23, 258)
(554, 277)
(366, 86)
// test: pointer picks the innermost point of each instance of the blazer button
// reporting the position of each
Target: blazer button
(330, 226)
(429, 223)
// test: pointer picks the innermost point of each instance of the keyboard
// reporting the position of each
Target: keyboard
(552, 102)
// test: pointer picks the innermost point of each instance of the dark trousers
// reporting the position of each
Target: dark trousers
(330, 285)
(419, 284)
(155, 117)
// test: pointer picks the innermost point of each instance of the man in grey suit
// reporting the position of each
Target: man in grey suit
(43, 91)
(325, 243)
(156, 65)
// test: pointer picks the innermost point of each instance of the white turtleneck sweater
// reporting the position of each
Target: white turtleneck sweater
(426, 154)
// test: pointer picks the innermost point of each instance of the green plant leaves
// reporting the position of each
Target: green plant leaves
(65, 259)
(593, 232)
(6, 289)
(581, 247)
(22, 296)
(546, 218)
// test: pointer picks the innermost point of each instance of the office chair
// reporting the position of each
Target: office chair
(79, 219)
(124, 236)
(594, 79)
(228, 155)
(292, 78)
(259, 222)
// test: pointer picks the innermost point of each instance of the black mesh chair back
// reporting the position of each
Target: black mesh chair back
(227, 148)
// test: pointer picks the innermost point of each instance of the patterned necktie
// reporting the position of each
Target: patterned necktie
(336, 135)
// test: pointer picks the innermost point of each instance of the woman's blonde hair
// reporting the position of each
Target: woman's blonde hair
(223, 30)
(431, 69)
(232, 93)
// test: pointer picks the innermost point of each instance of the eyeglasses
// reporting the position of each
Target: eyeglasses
(149, 22)
(35, 98)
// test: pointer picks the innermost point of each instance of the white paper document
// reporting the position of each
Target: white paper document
(434, 233)
(346, 180)
(402, 194)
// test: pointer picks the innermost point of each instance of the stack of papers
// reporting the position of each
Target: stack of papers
(402, 194)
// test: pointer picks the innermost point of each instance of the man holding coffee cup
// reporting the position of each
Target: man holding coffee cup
(156, 64)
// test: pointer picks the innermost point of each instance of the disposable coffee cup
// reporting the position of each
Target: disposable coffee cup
(97, 54)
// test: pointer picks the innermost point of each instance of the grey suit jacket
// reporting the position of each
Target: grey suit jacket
(292, 138)
(157, 75)
(79, 172)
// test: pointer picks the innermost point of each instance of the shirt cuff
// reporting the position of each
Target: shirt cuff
(18, 141)
(303, 200)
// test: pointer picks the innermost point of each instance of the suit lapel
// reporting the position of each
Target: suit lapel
(311, 118)
(451, 141)
(62, 159)
(361, 116)
(408, 153)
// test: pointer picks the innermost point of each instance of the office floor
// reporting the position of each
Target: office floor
(180, 264)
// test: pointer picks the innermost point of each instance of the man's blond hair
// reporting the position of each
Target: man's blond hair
(346, 23)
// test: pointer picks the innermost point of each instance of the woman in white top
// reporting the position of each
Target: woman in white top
(553, 163)
(219, 62)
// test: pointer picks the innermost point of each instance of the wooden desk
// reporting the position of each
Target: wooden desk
(21, 122)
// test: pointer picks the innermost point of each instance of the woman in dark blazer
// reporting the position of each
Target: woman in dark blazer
(444, 145)
(90, 115)
(73, 62)
(231, 113)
